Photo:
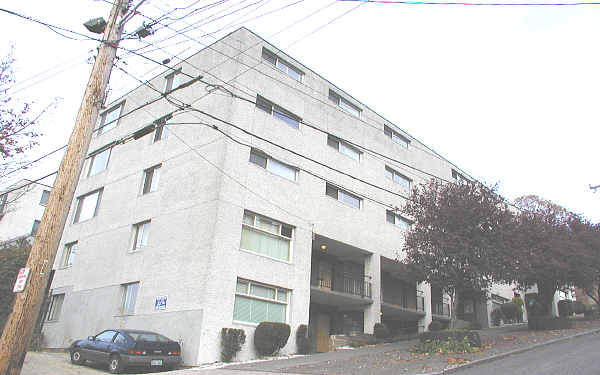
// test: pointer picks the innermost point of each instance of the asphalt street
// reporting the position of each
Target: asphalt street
(578, 356)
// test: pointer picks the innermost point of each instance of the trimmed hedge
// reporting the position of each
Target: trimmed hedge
(270, 337)
(497, 317)
(541, 323)
(381, 331)
(474, 326)
(470, 336)
(303, 339)
(511, 311)
(435, 326)
(578, 307)
(565, 308)
(232, 340)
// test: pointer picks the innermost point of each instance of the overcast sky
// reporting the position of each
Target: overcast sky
(509, 94)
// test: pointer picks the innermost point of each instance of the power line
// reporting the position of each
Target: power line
(30, 182)
(468, 3)
(33, 161)
(325, 25)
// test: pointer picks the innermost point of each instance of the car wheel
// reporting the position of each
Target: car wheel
(114, 364)
(77, 358)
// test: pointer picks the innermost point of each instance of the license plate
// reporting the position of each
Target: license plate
(156, 362)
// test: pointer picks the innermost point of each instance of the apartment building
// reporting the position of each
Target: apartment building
(22, 206)
(273, 199)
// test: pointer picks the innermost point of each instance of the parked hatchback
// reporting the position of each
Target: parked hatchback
(120, 348)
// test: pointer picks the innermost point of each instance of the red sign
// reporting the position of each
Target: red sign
(21, 280)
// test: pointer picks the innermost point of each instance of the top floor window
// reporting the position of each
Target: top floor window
(282, 65)
(458, 177)
(110, 118)
(343, 147)
(45, 197)
(278, 112)
(173, 81)
(344, 104)
(395, 136)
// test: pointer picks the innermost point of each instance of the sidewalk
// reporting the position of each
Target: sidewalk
(396, 358)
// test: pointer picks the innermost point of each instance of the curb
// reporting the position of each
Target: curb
(496, 357)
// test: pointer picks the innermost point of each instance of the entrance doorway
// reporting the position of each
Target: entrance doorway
(323, 333)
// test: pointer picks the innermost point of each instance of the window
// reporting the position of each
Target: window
(278, 112)
(266, 237)
(458, 177)
(120, 340)
(45, 197)
(282, 65)
(34, 228)
(398, 178)
(398, 220)
(395, 136)
(87, 206)
(255, 303)
(106, 336)
(344, 104)
(141, 231)
(56, 302)
(68, 255)
(343, 147)
(130, 292)
(151, 177)
(109, 119)
(173, 81)
(343, 196)
(98, 162)
(262, 160)
(161, 131)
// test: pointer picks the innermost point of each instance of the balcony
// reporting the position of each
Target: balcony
(441, 310)
(403, 309)
(342, 290)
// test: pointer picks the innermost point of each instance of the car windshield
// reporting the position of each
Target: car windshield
(148, 336)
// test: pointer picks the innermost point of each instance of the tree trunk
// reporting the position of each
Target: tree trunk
(546, 290)
(453, 309)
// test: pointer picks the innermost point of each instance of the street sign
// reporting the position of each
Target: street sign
(160, 303)
(21, 280)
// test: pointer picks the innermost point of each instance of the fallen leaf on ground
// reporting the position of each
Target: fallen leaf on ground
(457, 361)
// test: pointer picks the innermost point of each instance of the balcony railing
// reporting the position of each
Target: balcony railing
(440, 309)
(403, 302)
(346, 285)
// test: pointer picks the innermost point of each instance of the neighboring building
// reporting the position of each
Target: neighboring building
(194, 228)
(21, 209)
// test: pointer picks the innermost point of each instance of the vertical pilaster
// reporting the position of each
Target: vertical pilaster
(373, 311)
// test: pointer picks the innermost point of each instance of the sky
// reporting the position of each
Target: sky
(508, 94)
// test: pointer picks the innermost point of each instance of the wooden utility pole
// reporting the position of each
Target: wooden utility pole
(20, 323)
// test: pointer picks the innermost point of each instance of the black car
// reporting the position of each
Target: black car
(120, 348)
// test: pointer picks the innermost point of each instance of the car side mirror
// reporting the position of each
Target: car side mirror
(91, 338)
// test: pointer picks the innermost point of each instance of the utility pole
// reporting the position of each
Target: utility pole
(20, 323)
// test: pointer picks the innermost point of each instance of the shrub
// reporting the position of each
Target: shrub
(578, 307)
(564, 308)
(474, 326)
(444, 347)
(232, 340)
(381, 331)
(510, 311)
(435, 326)
(497, 317)
(270, 337)
(539, 323)
(303, 339)
(472, 337)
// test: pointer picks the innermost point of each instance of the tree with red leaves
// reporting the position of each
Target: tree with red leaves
(17, 130)
(459, 237)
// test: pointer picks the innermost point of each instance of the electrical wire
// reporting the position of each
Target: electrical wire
(468, 3)
(24, 166)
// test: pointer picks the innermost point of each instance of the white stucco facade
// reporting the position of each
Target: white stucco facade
(193, 254)
(21, 205)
